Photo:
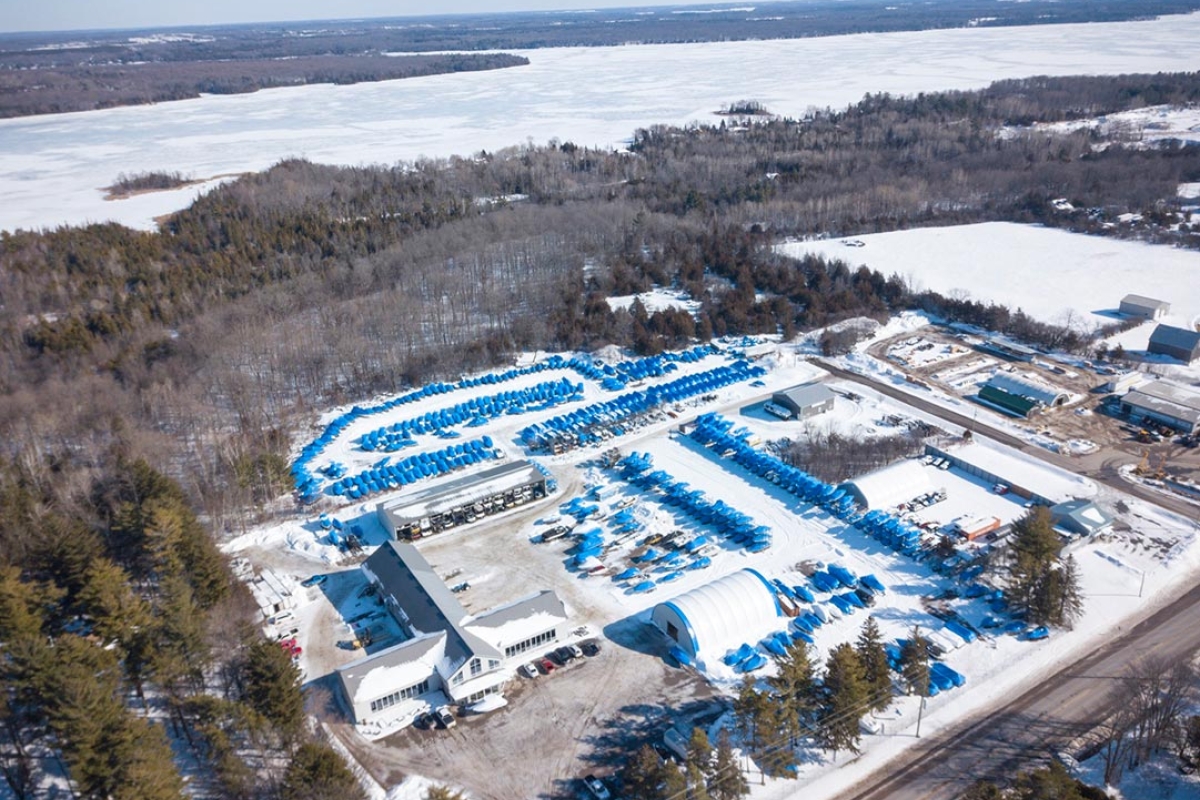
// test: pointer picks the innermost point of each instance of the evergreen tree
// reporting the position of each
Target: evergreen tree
(750, 709)
(700, 752)
(1034, 551)
(642, 775)
(674, 783)
(270, 685)
(846, 701)
(443, 793)
(697, 782)
(774, 752)
(914, 663)
(317, 772)
(147, 769)
(876, 671)
(794, 685)
(728, 782)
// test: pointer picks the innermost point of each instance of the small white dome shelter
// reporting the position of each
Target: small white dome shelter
(888, 487)
(718, 615)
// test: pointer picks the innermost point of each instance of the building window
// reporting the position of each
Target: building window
(404, 694)
(476, 667)
(529, 644)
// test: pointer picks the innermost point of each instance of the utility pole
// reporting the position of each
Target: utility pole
(920, 712)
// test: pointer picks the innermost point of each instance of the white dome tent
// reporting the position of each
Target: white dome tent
(719, 615)
(888, 487)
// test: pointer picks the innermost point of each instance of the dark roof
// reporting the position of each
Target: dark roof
(1178, 339)
(1014, 404)
(429, 605)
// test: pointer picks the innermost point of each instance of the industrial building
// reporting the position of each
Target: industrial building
(465, 657)
(1009, 350)
(1170, 404)
(719, 615)
(1020, 395)
(806, 400)
(889, 486)
(463, 499)
(1178, 343)
(1082, 517)
(1135, 305)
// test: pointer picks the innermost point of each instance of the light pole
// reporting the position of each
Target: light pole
(920, 713)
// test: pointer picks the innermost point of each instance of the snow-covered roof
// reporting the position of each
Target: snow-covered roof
(718, 614)
(398, 667)
(1147, 303)
(442, 496)
(1025, 386)
(1081, 516)
(519, 620)
(800, 397)
(1016, 469)
(894, 484)
(1170, 399)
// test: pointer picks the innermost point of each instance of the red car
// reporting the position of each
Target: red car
(547, 665)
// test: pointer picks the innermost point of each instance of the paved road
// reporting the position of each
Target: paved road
(1102, 470)
(1030, 729)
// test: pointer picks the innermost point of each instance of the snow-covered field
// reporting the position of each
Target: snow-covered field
(51, 167)
(1050, 274)
(1144, 125)
(1123, 573)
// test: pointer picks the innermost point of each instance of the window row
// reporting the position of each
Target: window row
(395, 697)
(529, 644)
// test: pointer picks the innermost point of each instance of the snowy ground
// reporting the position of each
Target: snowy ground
(1050, 274)
(1124, 573)
(657, 300)
(51, 167)
(1144, 125)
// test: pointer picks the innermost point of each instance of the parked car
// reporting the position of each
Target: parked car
(597, 788)
(575, 651)
(563, 654)
(445, 717)
(547, 666)
(315, 580)
(529, 670)
(591, 648)
(424, 720)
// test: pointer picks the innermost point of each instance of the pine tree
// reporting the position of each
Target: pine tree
(794, 684)
(443, 793)
(674, 782)
(697, 782)
(1034, 553)
(1069, 602)
(146, 767)
(914, 663)
(317, 772)
(750, 708)
(270, 685)
(846, 688)
(642, 775)
(728, 782)
(700, 752)
(876, 671)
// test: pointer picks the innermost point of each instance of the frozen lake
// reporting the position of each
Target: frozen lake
(51, 167)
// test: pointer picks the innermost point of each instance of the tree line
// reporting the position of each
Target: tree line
(122, 635)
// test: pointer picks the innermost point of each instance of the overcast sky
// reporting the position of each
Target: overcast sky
(48, 15)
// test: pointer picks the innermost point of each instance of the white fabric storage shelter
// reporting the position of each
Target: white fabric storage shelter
(891, 485)
(719, 615)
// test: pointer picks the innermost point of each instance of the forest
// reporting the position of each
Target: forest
(151, 382)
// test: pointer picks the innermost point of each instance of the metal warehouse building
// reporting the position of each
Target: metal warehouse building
(888, 487)
(1020, 395)
(438, 506)
(1166, 403)
(806, 400)
(464, 657)
(1178, 343)
(719, 615)
(1135, 305)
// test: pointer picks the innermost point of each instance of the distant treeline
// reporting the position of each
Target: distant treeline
(127, 184)
(152, 380)
(72, 71)
(84, 87)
